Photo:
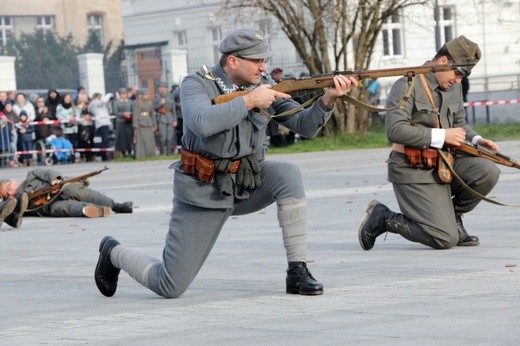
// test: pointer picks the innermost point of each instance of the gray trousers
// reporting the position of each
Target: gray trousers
(194, 230)
(434, 206)
(165, 137)
(73, 198)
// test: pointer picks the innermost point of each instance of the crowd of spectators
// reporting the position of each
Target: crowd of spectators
(72, 127)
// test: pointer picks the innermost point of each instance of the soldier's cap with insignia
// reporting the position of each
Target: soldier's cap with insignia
(246, 43)
(463, 50)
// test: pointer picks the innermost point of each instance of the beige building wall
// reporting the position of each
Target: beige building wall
(70, 17)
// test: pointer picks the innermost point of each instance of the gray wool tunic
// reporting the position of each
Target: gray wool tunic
(229, 130)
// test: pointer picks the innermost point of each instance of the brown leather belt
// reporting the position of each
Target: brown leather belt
(203, 168)
(164, 110)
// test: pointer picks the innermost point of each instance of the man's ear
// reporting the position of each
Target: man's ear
(443, 59)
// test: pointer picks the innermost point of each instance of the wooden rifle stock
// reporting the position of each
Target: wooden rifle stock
(486, 153)
(313, 82)
(40, 197)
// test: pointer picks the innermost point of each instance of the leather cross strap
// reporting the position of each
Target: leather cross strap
(447, 163)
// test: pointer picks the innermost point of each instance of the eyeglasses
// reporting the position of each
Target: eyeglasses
(255, 61)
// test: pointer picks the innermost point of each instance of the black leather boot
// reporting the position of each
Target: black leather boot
(16, 217)
(464, 238)
(374, 224)
(126, 207)
(300, 280)
(106, 274)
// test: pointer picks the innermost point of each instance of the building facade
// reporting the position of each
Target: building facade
(64, 17)
(408, 38)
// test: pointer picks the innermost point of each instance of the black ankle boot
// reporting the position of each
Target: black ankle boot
(126, 207)
(106, 274)
(464, 238)
(300, 280)
(373, 225)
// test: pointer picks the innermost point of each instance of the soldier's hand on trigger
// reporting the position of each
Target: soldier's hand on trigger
(262, 97)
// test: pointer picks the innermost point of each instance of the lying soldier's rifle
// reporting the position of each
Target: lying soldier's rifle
(475, 150)
(39, 198)
(319, 81)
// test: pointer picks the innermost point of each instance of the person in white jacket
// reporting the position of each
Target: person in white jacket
(22, 104)
(99, 108)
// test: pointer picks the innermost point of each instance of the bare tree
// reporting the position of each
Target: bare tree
(323, 31)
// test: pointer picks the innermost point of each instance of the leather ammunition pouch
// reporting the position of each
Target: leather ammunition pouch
(431, 158)
(201, 167)
(427, 158)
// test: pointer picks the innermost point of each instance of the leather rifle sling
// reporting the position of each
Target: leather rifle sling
(444, 158)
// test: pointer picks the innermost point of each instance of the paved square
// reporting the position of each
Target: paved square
(397, 293)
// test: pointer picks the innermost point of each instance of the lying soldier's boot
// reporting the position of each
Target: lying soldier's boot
(126, 207)
(93, 211)
(16, 217)
(300, 280)
(6, 208)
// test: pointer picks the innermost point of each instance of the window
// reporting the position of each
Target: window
(95, 25)
(392, 40)
(180, 38)
(45, 23)
(215, 37)
(6, 30)
(446, 22)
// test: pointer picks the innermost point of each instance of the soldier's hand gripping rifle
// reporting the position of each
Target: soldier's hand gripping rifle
(477, 151)
(39, 198)
(313, 82)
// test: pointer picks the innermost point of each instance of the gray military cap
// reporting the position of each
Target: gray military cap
(246, 43)
(142, 91)
(462, 50)
(163, 84)
(122, 90)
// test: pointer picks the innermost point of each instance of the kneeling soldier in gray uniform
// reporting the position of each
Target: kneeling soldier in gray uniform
(432, 208)
(222, 172)
(72, 200)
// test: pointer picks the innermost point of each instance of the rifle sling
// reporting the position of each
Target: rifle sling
(356, 103)
(36, 208)
(469, 189)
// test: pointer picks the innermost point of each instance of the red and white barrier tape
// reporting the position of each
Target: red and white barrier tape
(491, 103)
(48, 151)
(59, 122)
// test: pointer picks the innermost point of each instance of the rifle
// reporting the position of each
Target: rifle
(41, 197)
(319, 81)
(475, 150)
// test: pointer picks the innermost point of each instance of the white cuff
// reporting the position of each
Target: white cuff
(438, 137)
(475, 139)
